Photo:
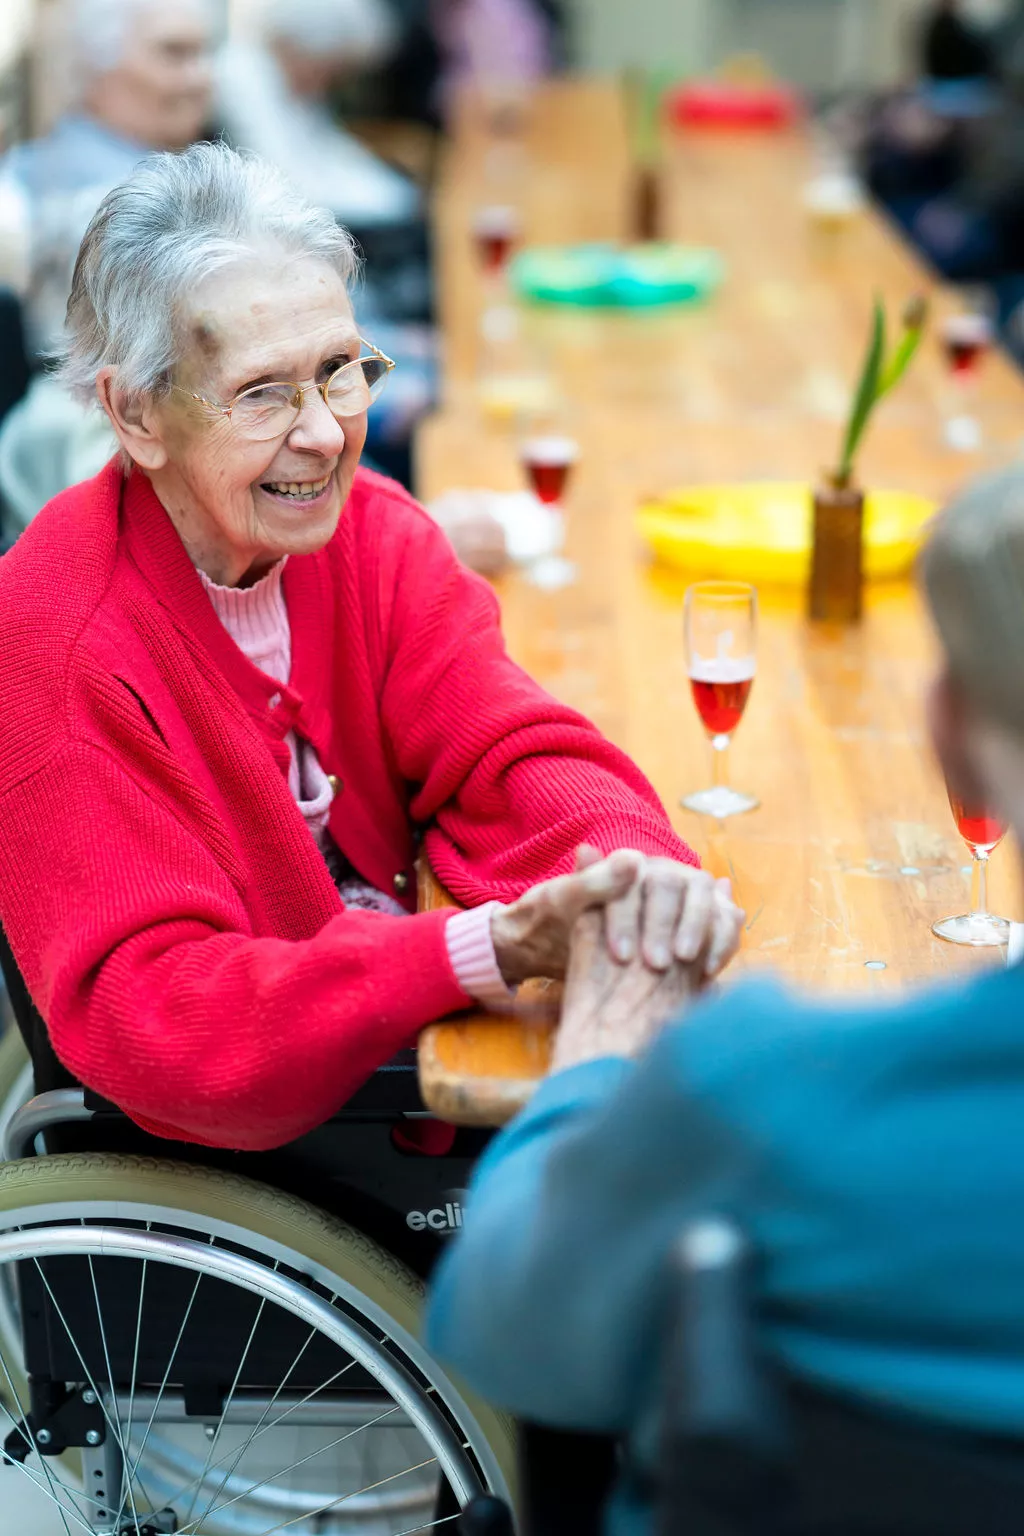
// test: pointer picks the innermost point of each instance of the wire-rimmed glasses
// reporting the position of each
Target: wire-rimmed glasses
(270, 410)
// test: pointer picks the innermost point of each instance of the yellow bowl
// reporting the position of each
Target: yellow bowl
(762, 531)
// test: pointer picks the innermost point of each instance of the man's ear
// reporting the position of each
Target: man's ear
(134, 421)
(955, 734)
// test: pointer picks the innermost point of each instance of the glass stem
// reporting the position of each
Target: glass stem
(720, 761)
(979, 906)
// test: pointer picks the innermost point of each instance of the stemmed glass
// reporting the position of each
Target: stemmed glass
(496, 232)
(965, 338)
(982, 832)
(720, 630)
(548, 456)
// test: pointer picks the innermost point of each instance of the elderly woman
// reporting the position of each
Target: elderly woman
(241, 677)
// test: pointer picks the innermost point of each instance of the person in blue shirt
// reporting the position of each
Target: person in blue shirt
(873, 1155)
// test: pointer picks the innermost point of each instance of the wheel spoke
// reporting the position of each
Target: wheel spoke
(112, 1425)
(51, 1484)
(224, 1412)
(256, 1430)
(322, 1509)
(414, 1530)
(257, 1434)
(127, 1495)
(303, 1461)
(167, 1374)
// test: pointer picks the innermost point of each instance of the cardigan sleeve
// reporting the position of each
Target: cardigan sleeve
(138, 951)
(509, 780)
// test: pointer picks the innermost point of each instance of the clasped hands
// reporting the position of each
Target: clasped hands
(655, 911)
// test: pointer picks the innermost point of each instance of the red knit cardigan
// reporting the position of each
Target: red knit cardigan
(172, 916)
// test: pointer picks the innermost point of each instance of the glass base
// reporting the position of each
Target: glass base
(982, 930)
(551, 573)
(719, 802)
(963, 434)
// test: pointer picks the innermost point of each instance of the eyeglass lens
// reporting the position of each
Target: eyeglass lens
(269, 409)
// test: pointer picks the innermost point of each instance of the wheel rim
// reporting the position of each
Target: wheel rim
(225, 1496)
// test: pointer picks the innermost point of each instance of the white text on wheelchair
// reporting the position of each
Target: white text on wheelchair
(446, 1218)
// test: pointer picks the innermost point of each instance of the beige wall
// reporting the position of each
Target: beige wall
(821, 44)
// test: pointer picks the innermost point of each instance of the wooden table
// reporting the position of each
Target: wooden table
(853, 853)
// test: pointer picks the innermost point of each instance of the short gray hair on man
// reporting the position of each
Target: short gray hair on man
(360, 31)
(98, 30)
(177, 219)
(972, 571)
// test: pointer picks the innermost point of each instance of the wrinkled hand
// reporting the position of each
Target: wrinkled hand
(654, 909)
(611, 1009)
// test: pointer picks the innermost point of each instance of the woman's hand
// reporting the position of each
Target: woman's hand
(654, 909)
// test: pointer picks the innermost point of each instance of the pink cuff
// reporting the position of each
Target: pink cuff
(471, 952)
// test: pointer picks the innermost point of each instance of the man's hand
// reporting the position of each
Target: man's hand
(655, 910)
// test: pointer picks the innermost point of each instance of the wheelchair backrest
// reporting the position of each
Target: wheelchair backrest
(749, 1449)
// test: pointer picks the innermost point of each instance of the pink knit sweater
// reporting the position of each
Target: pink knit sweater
(256, 618)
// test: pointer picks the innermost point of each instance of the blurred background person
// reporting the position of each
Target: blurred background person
(953, 46)
(141, 74)
(498, 45)
(868, 1152)
(273, 94)
(141, 77)
(274, 97)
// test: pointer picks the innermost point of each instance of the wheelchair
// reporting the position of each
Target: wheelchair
(211, 1343)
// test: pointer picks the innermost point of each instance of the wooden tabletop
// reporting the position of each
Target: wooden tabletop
(853, 854)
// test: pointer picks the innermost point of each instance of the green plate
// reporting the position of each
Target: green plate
(605, 276)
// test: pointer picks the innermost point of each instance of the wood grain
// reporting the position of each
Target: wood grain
(853, 853)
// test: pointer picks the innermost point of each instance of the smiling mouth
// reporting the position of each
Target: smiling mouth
(296, 490)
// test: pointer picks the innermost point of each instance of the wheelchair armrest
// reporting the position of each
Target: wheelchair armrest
(60, 1106)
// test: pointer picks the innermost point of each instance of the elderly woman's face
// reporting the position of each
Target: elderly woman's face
(240, 505)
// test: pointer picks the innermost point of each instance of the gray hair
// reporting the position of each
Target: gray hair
(972, 571)
(98, 30)
(177, 219)
(363, 31)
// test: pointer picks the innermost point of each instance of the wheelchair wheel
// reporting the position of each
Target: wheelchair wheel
(231, 1361)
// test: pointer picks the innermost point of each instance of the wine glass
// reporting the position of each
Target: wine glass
(548, 454)
(965, 339)
(496, 231)
(720, 629)
(548, 459)
(982, 832)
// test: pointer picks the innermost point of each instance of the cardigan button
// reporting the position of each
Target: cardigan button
(401, 882)
(335, 783)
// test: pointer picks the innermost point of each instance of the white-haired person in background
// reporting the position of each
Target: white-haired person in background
(140, 73)
(141, 76)
(273, 99)
(272, 95)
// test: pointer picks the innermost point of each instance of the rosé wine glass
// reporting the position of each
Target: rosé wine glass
(965, 339)
(982, 832)
(720, 631)
(496, 230)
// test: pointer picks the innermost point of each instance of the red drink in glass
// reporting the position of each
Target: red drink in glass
(965, 339)
(980, 830)
(979, 927)
(547, 461)
(495, 230)
(720, 691)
